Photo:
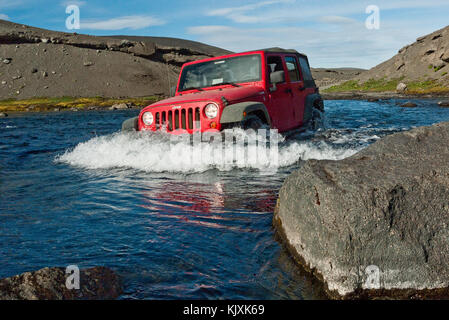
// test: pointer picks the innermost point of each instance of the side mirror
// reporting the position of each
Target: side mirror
(275, 78)
(172, 91)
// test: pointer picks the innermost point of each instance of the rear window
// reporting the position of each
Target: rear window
(305, 69)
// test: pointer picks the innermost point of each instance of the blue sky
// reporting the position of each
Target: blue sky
(331, 32)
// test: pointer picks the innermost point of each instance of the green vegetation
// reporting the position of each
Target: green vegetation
(382, 85)
(435, 69)
(443, 74)
(370, 85)
(47, 104)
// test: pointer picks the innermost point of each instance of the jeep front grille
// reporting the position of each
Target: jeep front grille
(185, 118)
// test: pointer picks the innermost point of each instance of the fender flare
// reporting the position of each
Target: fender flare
(313, 101)
(234, 112)
(130, 124)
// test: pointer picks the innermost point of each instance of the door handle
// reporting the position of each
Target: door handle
(302, 88)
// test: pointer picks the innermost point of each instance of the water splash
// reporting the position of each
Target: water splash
(157, 152)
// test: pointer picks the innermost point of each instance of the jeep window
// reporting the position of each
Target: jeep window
(224, 71)
(274, 64)
(305, 69)
(292, 68)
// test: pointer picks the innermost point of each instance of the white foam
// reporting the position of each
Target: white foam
(155, 152)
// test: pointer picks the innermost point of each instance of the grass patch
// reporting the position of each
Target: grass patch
(370, 85)
(423, 87)
(384, 85)
(45, 103)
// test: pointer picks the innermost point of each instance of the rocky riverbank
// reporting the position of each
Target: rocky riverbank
(374, 225)
(374, 96)
(98, 283)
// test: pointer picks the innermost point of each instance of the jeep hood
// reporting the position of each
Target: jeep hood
(229, 93)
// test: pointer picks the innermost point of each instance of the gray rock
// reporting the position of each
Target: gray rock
(7, 60)
(34, 70)
(88, 64)
(386, 206)
(409, 104)
(121, 106)
(401, 87)
(4, 82)
(3, 115)
(45, 74)
(443, 103)
(50, 284)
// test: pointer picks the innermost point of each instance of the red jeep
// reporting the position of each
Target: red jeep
(272, 88)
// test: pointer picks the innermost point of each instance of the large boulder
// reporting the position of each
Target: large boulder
(50, 284)
(401, 88)
(375, 224)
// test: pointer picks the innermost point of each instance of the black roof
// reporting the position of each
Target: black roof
(281, 50)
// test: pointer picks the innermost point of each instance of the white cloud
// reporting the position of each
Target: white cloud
(302, 10)
(9, 3)
(339, 20)
(4, 16)
(248, 7)
(240, 14)
(126, 22)
(73, 2)
(332, 33)
(349, 45)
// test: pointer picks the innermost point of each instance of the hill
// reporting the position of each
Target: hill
(423, 66)
(43, 63)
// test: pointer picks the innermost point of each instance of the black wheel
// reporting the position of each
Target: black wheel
(130, 125)
(317, 119)
(253, 122)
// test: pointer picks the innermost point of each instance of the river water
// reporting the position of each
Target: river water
(74, 190)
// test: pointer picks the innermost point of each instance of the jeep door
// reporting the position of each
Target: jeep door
(298, 90)
(281, 110)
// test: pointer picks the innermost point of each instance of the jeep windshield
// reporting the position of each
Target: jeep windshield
(230, 71)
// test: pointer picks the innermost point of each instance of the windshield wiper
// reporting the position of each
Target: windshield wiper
(224, 83)
(192, 88)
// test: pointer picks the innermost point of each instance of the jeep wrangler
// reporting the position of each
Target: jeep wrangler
(271, 88)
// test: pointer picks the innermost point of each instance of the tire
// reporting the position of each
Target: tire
(253, 122)
(317, 119)
(130, 125)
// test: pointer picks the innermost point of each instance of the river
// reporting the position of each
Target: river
(74, 190)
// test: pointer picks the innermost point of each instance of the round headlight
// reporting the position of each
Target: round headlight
(147, 118)
(211, 110)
